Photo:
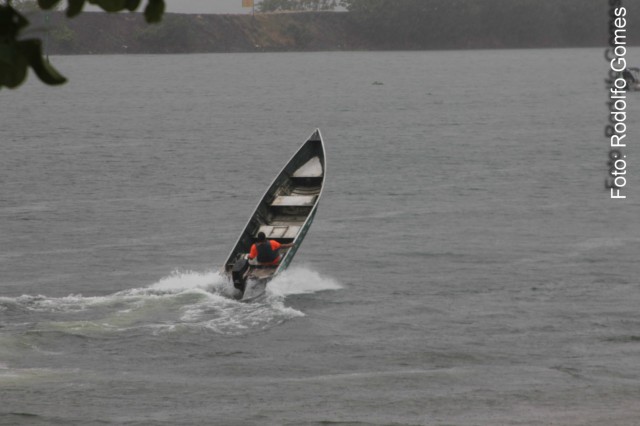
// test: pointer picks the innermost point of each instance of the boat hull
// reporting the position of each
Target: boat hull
(285, 214)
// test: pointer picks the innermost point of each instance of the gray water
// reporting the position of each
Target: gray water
(466, 266)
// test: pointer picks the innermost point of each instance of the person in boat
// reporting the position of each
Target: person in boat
(266, 252)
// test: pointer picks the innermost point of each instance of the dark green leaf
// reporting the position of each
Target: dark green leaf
(109, 5)
(8, 53)
(32, 51)
(12, 75)
(47, 4)
(11, 22)
(154, 10)
(132, 5)
(74, 8)
(19, 73)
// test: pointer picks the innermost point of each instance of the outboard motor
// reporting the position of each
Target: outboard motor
(238, 273)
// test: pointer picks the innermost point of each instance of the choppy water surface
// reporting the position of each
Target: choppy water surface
(466, 266)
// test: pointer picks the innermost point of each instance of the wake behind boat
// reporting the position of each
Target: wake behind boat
(283, 215)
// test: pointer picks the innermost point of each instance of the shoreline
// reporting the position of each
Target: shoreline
(127, 33)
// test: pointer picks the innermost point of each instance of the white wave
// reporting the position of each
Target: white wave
(301, 280)
(188, 280)
(182, 300)
(72, 302)
(184, 281)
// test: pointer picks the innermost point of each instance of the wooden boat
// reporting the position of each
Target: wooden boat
(284, 214)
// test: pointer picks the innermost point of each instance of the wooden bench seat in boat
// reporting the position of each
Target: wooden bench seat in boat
(294, 201)
(279, 231)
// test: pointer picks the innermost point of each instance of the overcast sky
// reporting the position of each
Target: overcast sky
(206, 6)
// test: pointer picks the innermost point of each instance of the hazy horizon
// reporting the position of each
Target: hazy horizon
(207, 6)
(201, 6)
(198, 6)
